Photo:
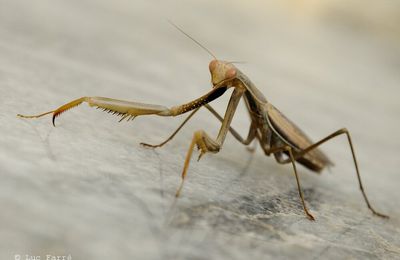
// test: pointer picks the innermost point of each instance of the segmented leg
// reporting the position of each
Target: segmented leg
(126, 109)
(207, 144)
(250, 137)
(288, 149)
(174, 133)
(129, 110)
(333, 135)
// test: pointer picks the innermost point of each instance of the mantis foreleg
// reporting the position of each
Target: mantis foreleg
(206, 143)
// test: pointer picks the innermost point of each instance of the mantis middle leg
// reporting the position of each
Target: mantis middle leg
(250, 137)
(288, 149)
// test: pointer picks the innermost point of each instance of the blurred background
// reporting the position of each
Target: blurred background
(87, 190)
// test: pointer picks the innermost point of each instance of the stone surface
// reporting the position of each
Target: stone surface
(88, 189)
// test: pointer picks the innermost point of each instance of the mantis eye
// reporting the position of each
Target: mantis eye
(212, 65)
(231, 73)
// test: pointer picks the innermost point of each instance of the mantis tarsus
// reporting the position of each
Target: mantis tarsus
(276, 134)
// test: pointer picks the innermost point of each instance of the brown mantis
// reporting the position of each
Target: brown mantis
(276, 134)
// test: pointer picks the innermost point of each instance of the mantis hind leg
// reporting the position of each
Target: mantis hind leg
(329, 137)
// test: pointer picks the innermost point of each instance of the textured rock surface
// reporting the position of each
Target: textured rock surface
(88, 189)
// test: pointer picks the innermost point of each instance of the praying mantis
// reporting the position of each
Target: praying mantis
(275, 133)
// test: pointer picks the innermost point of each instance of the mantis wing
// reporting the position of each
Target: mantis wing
(315, 159)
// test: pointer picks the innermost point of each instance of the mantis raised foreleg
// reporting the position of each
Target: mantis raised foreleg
(129, 110)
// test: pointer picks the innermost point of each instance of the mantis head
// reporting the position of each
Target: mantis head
(221, 71)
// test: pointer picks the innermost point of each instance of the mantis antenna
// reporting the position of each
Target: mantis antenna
(190, 37)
